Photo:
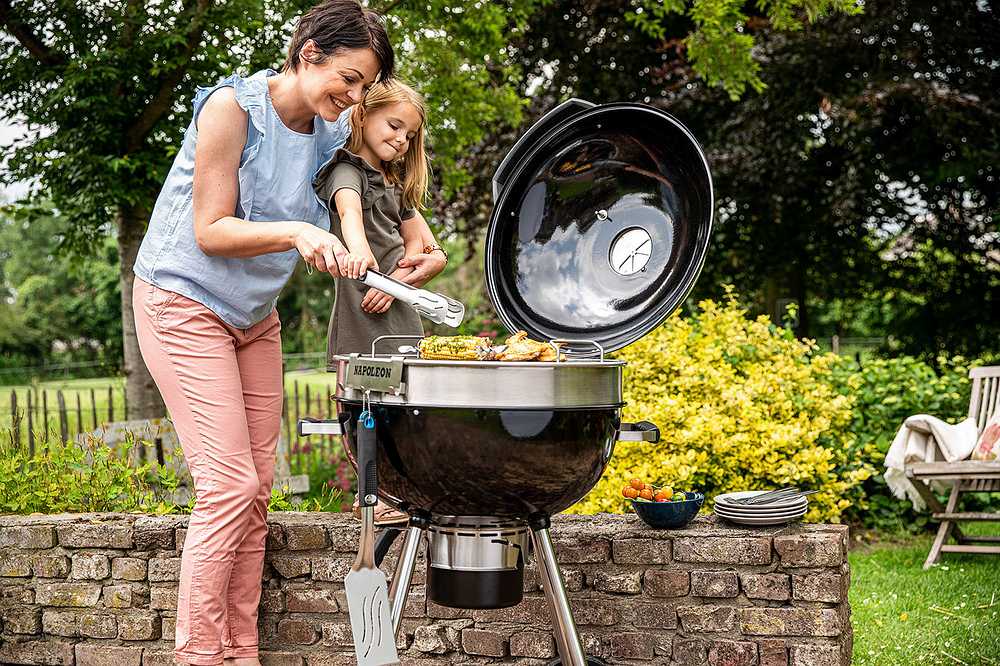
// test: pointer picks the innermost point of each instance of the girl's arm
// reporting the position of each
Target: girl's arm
(412, 230)
(425, 266)
(352, 226)
(222, 131)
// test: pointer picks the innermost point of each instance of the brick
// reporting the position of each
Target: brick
(666, 583)
(722, 584)
(28, 537)
(311, 601)
(689, 652)
(164, 658)
(162, 569)
(95, 536)
(22, 620)
(633, 645)
(51, 566)
(168, 627)
(813, 550)
(589, 551)
(98, 625)
(773, 653)
(732, 653)
(276, 537)
(485, 643)
(68, 594)
(117, 596)
(595, 645)
(61, 623)
(297, 632)
(436, 639)
(137, 626)
(154, 533)
(272, 601)
(305, 537)
(331, 568)
(15, 566)
(338, 635)
(572, 579)
(723, 550)
(90, 567)
(654, 616)
(773, 586)
(107, 655)
(52, 653)
(707, 619)
(327, 659)
(789, 622)
(128, 568)
(281, 659)
(816, 655)
(531, 610)
(831, 588)
(17, 594)
(447, 613)
(180, 536)
(593, 611)
(641, 551)
(616, 583)
(291, 567)
(163, 598)
(533, 644)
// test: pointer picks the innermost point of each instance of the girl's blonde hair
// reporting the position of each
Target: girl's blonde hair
(412, 170)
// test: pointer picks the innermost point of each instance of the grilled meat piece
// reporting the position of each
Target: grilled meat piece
(522, 348)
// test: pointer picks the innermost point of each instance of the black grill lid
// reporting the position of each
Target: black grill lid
(601, 224)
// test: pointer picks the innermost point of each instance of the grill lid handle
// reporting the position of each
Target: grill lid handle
(310, 426)
(643, 431)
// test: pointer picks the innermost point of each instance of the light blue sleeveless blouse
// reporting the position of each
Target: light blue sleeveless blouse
(276, 173)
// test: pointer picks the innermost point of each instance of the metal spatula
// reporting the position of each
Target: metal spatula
(365, 584)
(437, 307)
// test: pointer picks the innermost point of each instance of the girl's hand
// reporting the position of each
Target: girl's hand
(377, 302)
(320, 249)
(425, 267)
(354, 265)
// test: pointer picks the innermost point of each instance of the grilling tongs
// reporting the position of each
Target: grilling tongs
(437, 307)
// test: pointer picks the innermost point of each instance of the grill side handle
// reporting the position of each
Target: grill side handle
(643, 431)
(309, 426)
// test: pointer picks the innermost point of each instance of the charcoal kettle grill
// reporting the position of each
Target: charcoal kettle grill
(600, 227)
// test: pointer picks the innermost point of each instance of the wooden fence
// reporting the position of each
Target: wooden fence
(39, 414)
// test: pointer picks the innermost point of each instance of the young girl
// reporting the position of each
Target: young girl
(373, 189)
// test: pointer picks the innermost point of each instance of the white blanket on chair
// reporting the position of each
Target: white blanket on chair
(914, 444)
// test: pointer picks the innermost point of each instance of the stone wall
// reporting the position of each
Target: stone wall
(101, 589)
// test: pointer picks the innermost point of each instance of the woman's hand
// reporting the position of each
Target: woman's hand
(425, 267)
(354, 265)
(321, 249)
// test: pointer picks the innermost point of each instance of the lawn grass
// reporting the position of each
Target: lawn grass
(902, 614)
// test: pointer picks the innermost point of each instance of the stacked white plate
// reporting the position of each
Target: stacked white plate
(770, 513)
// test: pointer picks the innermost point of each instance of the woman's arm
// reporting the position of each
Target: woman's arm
(222, 131)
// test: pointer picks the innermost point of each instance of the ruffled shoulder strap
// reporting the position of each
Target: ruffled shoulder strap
(251, 95)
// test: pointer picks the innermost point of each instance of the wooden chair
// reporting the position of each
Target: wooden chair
(964, 476)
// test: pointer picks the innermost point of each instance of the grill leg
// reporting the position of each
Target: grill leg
(564, 628)
(400, 588)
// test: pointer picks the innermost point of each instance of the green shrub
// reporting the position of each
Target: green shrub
(885, 393)
(741, 404)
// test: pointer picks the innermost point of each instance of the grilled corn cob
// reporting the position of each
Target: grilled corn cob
(454, 348)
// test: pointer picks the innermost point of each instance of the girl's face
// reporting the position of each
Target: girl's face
(338, 82)
(388, 130)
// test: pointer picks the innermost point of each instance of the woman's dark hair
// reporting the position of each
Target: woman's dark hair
(335, 25)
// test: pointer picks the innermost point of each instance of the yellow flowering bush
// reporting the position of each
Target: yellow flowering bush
(741, 404)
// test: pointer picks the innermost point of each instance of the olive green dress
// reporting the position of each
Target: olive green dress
(351, 328)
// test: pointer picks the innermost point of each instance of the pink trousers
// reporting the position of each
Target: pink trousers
(223, 389)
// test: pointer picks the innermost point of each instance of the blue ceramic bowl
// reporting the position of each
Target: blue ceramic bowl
(672, 514)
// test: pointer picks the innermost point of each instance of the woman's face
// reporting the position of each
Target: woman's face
(389, 129)
(338, 82)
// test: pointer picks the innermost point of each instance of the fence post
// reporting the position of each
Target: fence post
(111, 405)
(31, 421)
(93, 407)
(45, 413)
(79, 414)
(124, 403)
(835, 344)
(63, 417)
(13, 416)
(329, 415)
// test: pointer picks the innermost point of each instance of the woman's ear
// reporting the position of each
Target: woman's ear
(310, 53)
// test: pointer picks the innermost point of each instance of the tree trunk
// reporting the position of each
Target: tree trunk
(143, 398)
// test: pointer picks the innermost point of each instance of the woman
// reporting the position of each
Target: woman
(234, 215)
